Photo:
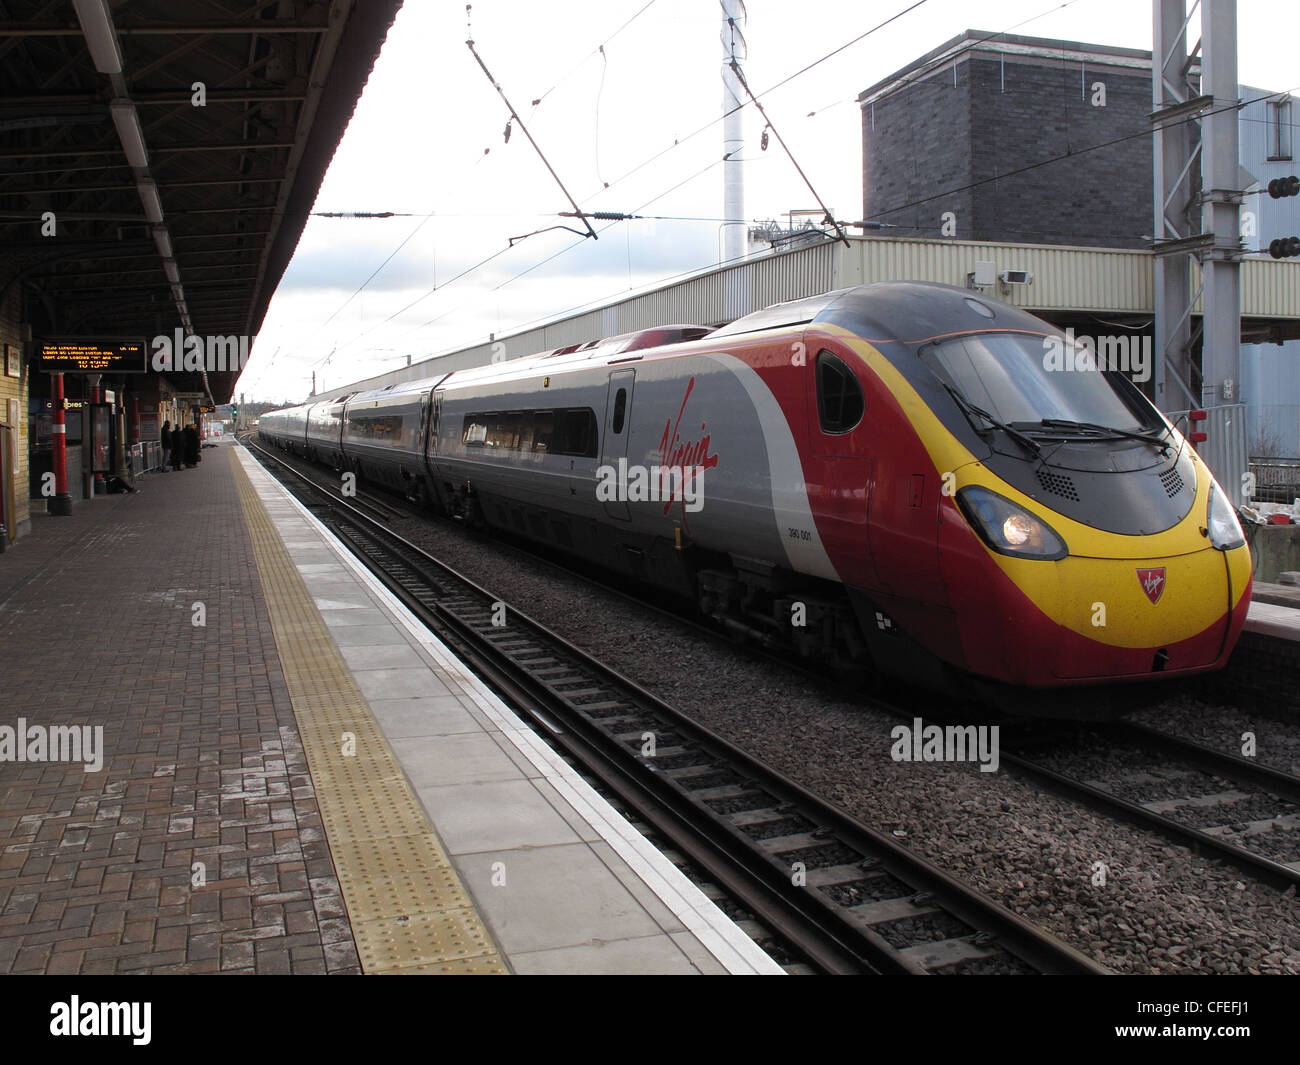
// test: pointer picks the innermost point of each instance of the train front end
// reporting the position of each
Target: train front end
(1091, 543)
(1045, 600)
(1080, 540)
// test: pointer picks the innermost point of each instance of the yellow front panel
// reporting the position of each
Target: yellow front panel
(1103, 599)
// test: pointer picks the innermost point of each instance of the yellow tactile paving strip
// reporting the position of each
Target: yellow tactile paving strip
(408, 908)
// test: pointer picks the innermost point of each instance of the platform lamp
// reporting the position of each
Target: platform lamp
(163, 241)
(148, 190)
(101, 38)
(127, 121)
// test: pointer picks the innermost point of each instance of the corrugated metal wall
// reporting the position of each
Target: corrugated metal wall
(1270, 288)
(709, 298)
(1108, 281)
(1065, 278)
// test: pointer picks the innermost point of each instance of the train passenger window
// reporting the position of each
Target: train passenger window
(620, 410)
(503, 431)
(543, 430)
(573, 432)
(840, 403)
(376, 427)
(576, 433)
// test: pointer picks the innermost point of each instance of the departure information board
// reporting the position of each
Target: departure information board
(91, 355)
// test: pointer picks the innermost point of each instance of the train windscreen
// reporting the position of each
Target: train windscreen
(1021, 378)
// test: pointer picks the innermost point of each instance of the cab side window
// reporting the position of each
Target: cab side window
(840, 403)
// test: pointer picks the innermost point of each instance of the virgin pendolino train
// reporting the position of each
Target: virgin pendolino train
(887, 477)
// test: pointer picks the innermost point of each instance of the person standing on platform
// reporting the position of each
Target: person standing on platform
(191, 446)
(178, 447)
(166, 439)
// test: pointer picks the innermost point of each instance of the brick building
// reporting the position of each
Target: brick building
(939, 134)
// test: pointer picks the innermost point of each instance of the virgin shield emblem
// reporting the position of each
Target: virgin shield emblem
(1153, 583)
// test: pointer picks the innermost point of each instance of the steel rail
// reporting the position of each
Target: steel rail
(1221, 763)
(832, 935)
(1271, 872)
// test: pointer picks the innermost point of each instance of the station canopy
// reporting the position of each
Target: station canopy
(159, 158)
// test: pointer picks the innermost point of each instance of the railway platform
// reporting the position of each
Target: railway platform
(230, 749)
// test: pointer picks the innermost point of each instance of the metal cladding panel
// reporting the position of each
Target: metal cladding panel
(1065, 278)
(1270, 289)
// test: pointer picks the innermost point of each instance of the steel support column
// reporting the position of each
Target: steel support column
(1172, 158)
(1221, 204)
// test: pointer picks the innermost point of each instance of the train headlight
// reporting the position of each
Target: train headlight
(1018, 530)
(1221, 521)
(1008, 528)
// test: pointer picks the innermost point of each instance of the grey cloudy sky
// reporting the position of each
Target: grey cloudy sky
(427, 140)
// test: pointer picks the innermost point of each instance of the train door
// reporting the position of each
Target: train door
(431, 437)
(840, 473)
(422, 434)
(618, 420)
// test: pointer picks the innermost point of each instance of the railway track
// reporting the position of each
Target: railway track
(1217, 804)
(847, 898)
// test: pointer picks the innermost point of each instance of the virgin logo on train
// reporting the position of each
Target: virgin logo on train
(1153, 582)
(689, 455)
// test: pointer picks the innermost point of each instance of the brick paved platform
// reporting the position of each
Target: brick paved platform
(203, 761)
(283, 746)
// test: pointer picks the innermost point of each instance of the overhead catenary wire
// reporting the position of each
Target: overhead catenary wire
(598, 50)
(569, 247)
(678, 142)
(580, 214)
(375, 273)
(514, 116)
(577, 211)
(501, 251)
(828, 217)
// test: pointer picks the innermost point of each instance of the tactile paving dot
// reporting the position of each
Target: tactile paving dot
(374, 809)
(408, 909)
(330, 723)
(424, 938)
(397, 876)
(488, 965)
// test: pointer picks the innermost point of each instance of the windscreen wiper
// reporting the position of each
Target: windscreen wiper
(1027, 442)
(1100, 430)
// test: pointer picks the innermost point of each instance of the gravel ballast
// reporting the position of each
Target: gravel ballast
(1123, 896)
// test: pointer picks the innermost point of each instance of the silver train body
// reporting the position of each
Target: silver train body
(518, 447)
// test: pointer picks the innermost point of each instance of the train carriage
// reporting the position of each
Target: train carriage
(324, 432)
(893, 475)
(384, 433)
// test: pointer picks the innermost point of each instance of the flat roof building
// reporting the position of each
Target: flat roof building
(1012, 139)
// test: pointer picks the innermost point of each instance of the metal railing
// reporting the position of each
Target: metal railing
(1276, 480)
(146, 457)
(1224, 447)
